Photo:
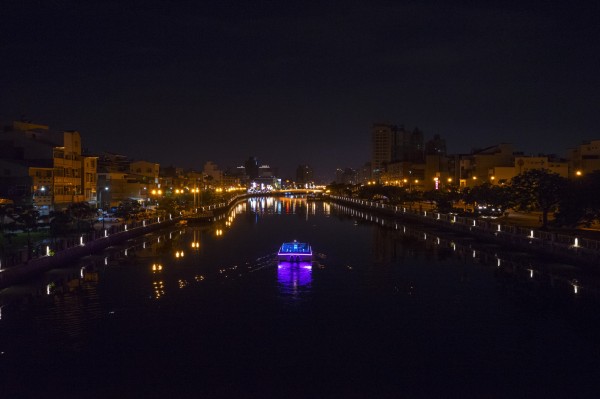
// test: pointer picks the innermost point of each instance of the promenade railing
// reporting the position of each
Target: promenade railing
(54, 246)
(552, 242)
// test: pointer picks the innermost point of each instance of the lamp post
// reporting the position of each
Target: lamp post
(102, 203)
(102, 197)
(195, 191)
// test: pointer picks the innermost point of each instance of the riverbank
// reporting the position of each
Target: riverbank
(43, 257)
(69, 249)
(573, 248)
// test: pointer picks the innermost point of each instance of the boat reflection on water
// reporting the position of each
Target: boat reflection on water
(294, 277)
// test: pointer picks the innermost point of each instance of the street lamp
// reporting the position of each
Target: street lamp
(195, 192)
(102, 203)
(102, 197)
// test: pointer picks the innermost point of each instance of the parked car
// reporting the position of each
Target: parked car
(110, 219)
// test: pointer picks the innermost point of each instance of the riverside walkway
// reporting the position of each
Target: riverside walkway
(572, 247)
(46, 256)
(60, 251)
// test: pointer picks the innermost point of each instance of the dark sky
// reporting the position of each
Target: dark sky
(183, 82)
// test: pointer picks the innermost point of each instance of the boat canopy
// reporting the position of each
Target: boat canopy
(295, 248)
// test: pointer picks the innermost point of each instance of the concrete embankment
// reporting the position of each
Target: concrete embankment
(33, 267)
(570, 248)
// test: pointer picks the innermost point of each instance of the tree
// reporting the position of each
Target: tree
(491, 195)
(444, 199)
(538, 189)
(81, 212)
(589, 189)
(60, 223)
(6, 213)
(580, 201)
(168, 205)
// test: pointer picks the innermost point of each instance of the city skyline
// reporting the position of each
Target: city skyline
(183, 84)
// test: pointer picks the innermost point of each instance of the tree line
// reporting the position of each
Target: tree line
(573, 202)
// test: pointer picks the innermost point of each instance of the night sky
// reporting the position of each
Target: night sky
(290, 83)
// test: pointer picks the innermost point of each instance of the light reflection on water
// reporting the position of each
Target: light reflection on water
(213, 294)
(293, 278)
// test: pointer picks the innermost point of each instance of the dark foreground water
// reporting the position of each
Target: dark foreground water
(385, 310)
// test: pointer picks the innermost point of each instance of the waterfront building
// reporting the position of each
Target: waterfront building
(233, 177)
(147, 171)
(503, 174)
(552, 164)
(172, 177)
(585, 158)
(474, 168)
(90, 179)
(42, 186)
(116, 187)
(15, 182)
(121, 179)
(41, 166)
(195, 179)
(213, 174)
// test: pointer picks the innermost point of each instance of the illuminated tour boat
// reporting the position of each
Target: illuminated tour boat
(295, 252)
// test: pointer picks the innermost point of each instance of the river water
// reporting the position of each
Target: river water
(386, 309)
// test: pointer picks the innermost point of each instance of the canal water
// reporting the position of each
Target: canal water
(386, 309)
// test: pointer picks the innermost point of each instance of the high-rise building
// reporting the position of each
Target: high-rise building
(251, 166)
(435, 146)
(304, 174)
(383, 143)
(408, 146)
(394, 144)
(346, 176)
